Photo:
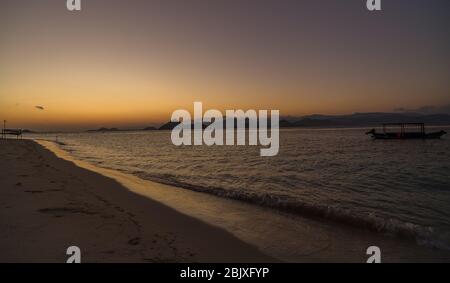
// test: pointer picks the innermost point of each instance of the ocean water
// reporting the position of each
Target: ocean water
(394, 187)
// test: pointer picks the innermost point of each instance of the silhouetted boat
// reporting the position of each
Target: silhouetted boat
(404, 134)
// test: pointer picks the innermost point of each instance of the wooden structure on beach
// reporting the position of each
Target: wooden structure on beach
(14, 132)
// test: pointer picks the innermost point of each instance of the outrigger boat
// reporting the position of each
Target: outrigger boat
(404, 134)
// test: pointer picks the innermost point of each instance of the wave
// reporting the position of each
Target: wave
(425, 236)
(60, 143)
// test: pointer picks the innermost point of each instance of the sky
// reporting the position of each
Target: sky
(131, 63)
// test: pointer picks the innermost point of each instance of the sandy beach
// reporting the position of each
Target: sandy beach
(48, 204)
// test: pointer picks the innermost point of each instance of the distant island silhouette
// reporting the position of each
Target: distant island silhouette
(372, 119)
(104, 130)
(365, 119)
(121, 130)
(351, 120)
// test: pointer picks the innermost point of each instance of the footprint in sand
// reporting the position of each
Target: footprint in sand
(134, 241)
(63, 211)
(35, 192)
(119, 209)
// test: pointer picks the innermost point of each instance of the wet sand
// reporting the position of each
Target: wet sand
(48, 204)
(285, 236)
(49, 201)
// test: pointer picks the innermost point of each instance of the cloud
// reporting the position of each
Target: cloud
(39, 107)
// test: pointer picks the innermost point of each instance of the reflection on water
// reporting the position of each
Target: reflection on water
(400, 186)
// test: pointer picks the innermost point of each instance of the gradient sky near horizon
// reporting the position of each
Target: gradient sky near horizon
(130, 63)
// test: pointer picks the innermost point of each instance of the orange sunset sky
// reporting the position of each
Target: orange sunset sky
(131, 63)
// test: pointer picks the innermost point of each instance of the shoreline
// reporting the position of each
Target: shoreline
(282, 236)
(48, 204)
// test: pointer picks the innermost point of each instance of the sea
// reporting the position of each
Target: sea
(399, 188)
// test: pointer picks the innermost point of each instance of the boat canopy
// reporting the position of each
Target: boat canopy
(403, 126)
